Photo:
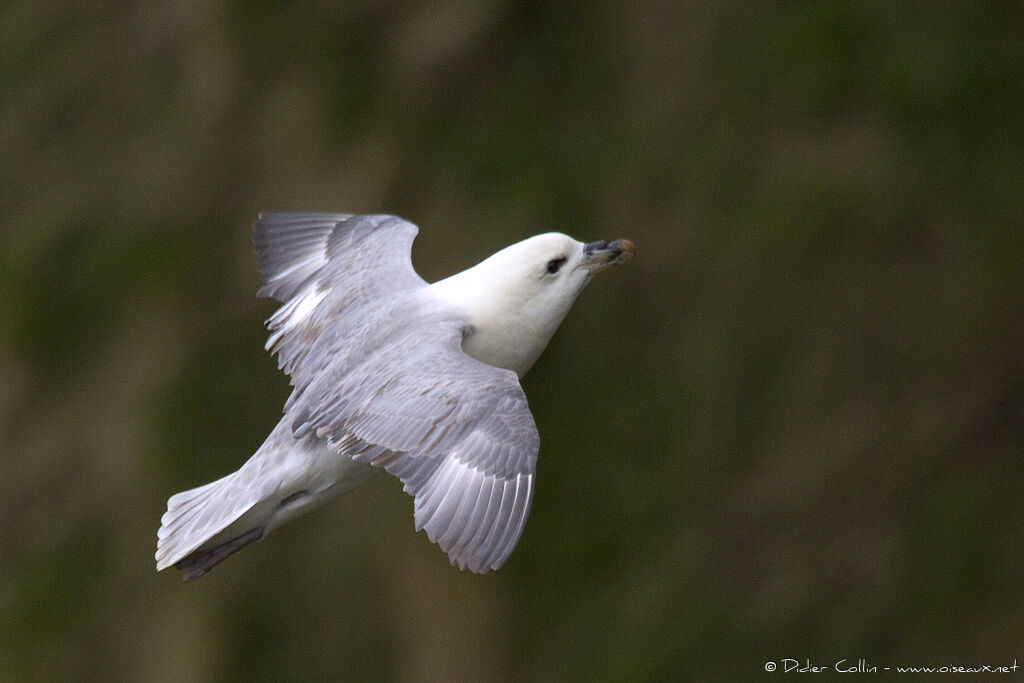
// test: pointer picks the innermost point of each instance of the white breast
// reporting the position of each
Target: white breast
(513, 308)
(509, 330)
(514, 345)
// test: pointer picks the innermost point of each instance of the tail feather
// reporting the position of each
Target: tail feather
(285, 478)
(202, 561)
(195, 517)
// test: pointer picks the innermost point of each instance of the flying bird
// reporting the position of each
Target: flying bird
(390, 372)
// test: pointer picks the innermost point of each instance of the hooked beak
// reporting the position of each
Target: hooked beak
(599, 255)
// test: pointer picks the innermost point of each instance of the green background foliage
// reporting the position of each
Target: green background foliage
(791, 427)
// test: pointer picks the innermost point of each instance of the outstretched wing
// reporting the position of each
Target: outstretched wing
(458, 433)
(321, 266)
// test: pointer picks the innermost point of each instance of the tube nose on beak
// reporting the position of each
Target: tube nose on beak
(599, 255)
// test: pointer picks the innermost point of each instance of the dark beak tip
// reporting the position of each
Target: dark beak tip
(614, 252)
(623, 249)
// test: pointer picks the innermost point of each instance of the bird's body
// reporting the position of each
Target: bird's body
(392, 373)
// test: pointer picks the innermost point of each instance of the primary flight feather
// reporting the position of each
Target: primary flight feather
(390, 372)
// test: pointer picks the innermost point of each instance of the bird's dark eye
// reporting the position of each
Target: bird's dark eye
(555, 263)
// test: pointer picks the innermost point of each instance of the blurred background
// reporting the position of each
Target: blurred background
(791, 427)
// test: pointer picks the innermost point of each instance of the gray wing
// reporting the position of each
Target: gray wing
(322, 266)
(379, 372)
(458, 433)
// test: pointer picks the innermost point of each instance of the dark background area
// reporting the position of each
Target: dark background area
(791, 427)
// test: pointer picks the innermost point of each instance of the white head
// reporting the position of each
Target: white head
(517, 298)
